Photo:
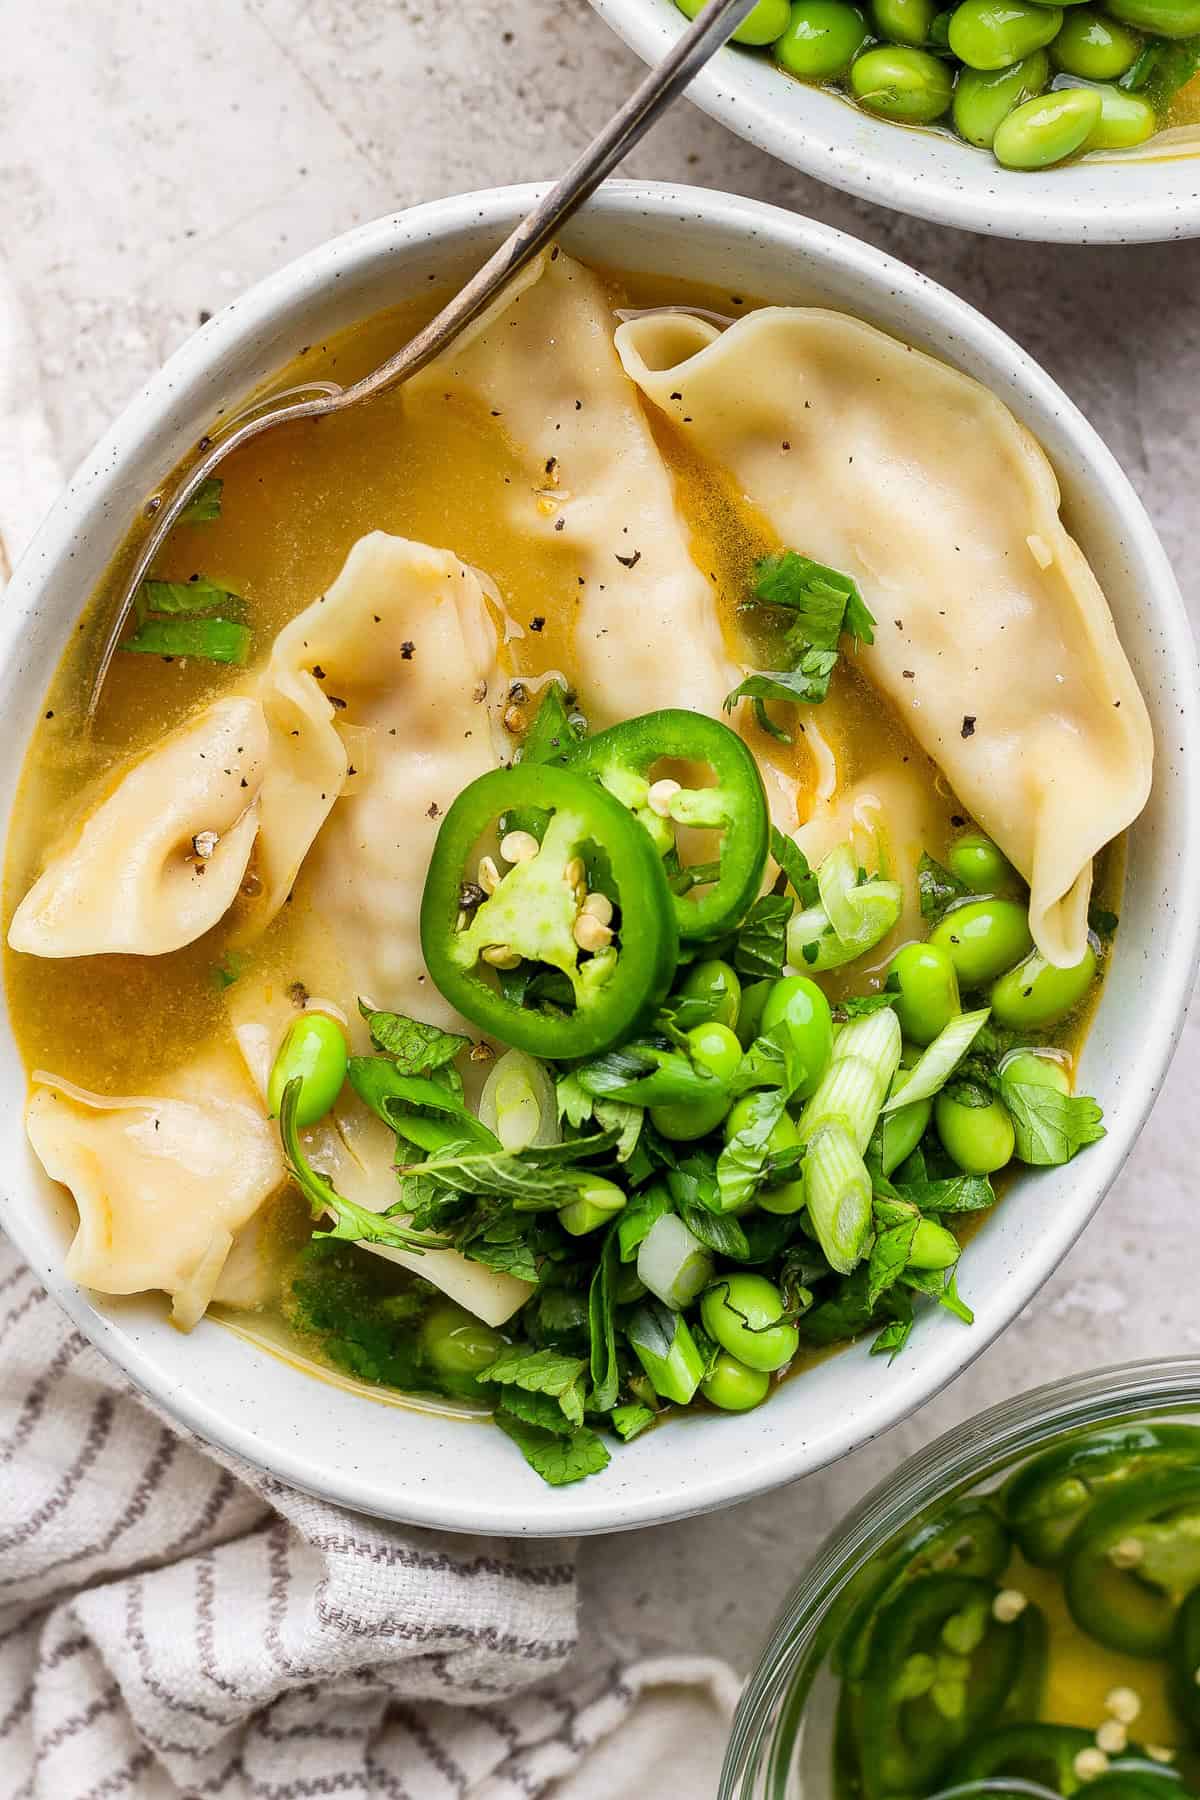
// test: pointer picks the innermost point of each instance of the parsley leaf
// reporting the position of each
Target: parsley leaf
(416, 1047)
(558, 1460)
(761, 947)
(1050, 1126)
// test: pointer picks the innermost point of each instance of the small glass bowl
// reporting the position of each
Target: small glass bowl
(780, 1746)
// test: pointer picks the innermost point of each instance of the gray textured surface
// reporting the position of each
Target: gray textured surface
(154, 162)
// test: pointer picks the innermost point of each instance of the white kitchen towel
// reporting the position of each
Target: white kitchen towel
(174, 1624)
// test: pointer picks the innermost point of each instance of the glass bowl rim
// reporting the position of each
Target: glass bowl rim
(1011, 1427)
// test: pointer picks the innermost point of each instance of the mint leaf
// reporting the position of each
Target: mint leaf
(892, 1338)
(558, 1460)
(823, 604)
(742, 1164)
(719, 1232)
(889, 1258)
(575, 1104)
(602, 1337)
(761, 947)
(645, 1074)
(634, 1223)
(416, 1047)
(795, 866)
(541, 1372)
(1050, 1126)
(541, 1410)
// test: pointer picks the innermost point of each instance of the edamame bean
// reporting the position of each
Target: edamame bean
(457, 1345)
(933, 1247)
(1125, 119)
(900, 1133)
(1046, 130)
(1033, 1069)
(715, 1049)
(898, 83)
(750, 1012)
(1036, 994)
(715, 981)
(766, 21)
(903, 21)
(744, 1313)
(788, 1198)
(981, 99)
(983, 938)
(928, 997)
(980, 1139)
(1162, 18)
(974, 858)
(733, 1386)
(822, 39)
(1091, 46)
(798, 1004)
(314, 1050)
(992, 34)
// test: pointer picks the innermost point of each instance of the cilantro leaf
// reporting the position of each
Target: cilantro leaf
(416, 1047)
(938, 888)
(761, 947)
(541, 1372)
(1050, 1126)
(558, 1460)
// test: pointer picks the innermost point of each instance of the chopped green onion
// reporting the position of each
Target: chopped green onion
(518, 1103)
(939, 1060)
(597, 1202)
(213, 640)
(866, 1055)
(838, 1188)
(851, 917)
(205, 504)
(673, 1263)
(666, 1349)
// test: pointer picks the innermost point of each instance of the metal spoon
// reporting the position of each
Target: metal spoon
(715, 24)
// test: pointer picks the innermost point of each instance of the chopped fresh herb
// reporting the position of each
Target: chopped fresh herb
(558, 1460)
(416, 1048)
(742, 1164)
(1050, 1127)
(231, 966)
(199, 595)
(541, 1372)
(823, 605)
(761, 947)
(645, 1074)
(630, 1421)
(1102, 922)
(795, 866)
(938, 888)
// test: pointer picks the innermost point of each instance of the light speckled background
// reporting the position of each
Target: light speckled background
(155, 160)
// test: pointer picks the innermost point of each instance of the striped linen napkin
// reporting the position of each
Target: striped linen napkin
(174, 1624)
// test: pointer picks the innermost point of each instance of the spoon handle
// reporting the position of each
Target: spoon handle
(705, 35)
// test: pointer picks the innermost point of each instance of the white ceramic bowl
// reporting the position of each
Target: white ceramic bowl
(423, 1468)
(1134, 198)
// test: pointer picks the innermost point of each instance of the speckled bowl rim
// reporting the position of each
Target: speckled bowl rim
(931, 175)
(382, 1464)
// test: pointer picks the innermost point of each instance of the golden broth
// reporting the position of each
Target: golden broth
(294, 502)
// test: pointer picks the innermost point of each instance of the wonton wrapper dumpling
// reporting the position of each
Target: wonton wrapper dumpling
(542, 362)
(162, 1182)
(130, 879)
(993, 639)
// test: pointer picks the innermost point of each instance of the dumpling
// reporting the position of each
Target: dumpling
(994, 641)
(161, 859)
(161, 1182)
(597, 490)
(407, 649)
(239, 790)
